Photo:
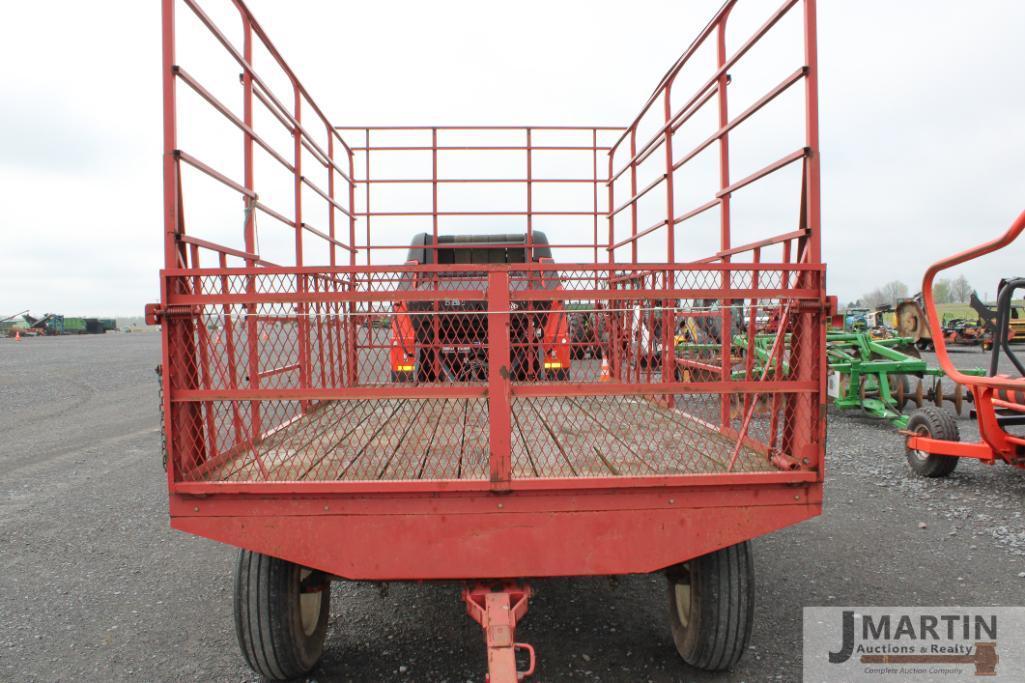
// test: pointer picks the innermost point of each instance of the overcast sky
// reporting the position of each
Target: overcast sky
(922, 119)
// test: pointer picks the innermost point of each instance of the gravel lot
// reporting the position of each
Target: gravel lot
(95, 586)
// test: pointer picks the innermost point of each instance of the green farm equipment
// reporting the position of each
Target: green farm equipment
(873, 375)
(868, 374)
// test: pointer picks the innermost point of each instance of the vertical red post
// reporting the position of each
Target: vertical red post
(633, 194)
(302, 308)
(812, 328)
(183, 422)
(171, 258)
(499, 393)
(231, 339)
(612, 350)
(530, 201)
(352, 377)
(434, 188)
(611, 216)
(668, 307)
(804, 429)
(252, 326)
(366, 152)
(725, 240)
(331, 193)
(203, 343)
(811, 98)
(594, 171)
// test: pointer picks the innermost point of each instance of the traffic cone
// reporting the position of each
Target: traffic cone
(604, 377)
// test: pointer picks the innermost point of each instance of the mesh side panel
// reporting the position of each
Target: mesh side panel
(386, 375)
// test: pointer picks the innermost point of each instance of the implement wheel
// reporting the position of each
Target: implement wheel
(281, 612)
(711, 607)
(935, 424)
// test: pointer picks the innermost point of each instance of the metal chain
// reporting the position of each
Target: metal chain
(163, 432)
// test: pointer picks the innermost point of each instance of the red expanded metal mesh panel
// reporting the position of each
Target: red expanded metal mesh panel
(607, 372)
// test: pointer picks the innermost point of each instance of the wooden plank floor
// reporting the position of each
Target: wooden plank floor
(404, 439)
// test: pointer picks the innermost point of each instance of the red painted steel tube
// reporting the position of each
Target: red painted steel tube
(609, 489)
(929, 303)
(724, 215)
(584, 270)
(228, 114)
(594, 185)
(726, 126)
(330, 197)
(499, 405)
(764, 171)
(756, 245)
(471, 181)
(633, 193)
(330, 200)
(684, 58)
(680, 118)
(481, 148)
(371, 392)
(171, 258)
(434, 187)
(263, 208)
(247, 15)
(758, 34)
(482, 128)
(530, 199)
(212, 172)
(811, 103)
(806, 294)
(204, 244)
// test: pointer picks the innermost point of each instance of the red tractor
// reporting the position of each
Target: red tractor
(447, 341)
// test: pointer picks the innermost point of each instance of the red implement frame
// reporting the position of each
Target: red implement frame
(990, 393)
(285, 434)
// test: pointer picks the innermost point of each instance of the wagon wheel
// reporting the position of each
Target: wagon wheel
(281, 612)
(711, 607)
(935, 424)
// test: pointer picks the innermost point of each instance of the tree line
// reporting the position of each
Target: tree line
(946, 291)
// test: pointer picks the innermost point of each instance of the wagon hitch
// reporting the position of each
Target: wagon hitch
(498, 611)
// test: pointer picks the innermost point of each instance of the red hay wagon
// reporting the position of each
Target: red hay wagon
(338, 409)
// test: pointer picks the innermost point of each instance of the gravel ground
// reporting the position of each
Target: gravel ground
(95, 586)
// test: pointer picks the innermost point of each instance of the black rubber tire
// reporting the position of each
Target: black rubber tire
(712, 631)
(268, 619)
(936, 424)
